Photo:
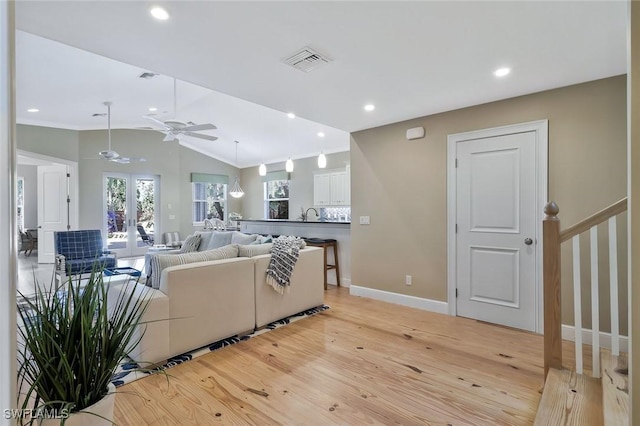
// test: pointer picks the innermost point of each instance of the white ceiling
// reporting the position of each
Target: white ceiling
(408, 58)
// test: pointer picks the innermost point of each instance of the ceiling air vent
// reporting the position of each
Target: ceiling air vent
(148, 75)
(306, 59)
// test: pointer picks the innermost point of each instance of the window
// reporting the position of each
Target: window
(276, 199)
(209, 201)
(20, 203)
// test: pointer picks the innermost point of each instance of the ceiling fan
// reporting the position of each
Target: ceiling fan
(173, 129)
(110, 154)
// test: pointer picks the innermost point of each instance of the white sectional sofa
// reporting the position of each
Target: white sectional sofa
(202, 302)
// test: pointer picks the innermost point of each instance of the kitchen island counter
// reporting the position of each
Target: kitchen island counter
(340, 231)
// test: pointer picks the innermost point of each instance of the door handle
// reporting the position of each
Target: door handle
(528, 241)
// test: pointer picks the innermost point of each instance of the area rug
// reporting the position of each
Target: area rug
(130, 371)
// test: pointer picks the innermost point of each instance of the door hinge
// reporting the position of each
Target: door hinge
(68, 199)
(456, 163)
(456, 292)
(456, 228)
(68, 175)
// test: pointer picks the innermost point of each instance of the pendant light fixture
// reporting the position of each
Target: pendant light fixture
(288, 166)
(236, 191)
(322, 160)
(262, 170)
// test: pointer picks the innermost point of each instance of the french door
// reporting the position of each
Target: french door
(131, 212)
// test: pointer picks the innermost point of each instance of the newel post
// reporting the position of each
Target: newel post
(551, 277)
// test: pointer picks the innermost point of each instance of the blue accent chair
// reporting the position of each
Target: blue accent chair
(80, 252)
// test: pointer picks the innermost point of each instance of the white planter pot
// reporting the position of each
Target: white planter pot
(98, 414)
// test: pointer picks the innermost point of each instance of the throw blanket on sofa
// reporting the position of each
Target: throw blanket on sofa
(284, 255)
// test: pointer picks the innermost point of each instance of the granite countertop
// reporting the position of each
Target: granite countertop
(312, 222)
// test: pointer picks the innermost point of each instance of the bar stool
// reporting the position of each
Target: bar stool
(326, 243)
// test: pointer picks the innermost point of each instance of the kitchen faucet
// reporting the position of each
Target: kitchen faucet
(306, 214)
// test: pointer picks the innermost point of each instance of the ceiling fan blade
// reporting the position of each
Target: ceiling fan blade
(201, 136)
(170, 137)
(158, 123)
(198, 127)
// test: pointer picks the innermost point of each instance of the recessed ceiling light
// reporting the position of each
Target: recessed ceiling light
(321, 134)
(291, 115)
(159, 13)
(369, 107)
(153, 109)
(33, 110)
(501, 72)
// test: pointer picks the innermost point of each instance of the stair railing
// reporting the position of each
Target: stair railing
(553, 237)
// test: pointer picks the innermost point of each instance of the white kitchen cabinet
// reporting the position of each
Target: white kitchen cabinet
(332, 189)
(322, 189)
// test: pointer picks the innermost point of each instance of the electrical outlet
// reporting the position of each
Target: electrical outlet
(365, 220)
(408, 280)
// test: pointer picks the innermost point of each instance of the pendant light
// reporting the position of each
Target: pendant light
(236, 191)
(322, 160)
(262, 170)
(288, 166)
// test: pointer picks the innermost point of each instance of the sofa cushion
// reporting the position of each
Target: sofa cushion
(220, 239)
(251, 250)
(191, 244)
(241, 238)
(205, 239)
(162, 261)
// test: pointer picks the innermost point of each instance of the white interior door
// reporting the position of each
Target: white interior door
(496, 229)
(53, 208)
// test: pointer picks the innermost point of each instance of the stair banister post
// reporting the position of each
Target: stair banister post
(551, 278)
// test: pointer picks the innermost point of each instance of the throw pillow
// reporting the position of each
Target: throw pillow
(261, 239)
(191, 244)
(251, 250)
(220, 239)
(240, 238)
(161, 261)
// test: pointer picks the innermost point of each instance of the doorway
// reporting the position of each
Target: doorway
(50, 201)
(130, 212)
(497, 188)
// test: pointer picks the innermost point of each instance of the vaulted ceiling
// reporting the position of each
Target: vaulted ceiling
(410, 59)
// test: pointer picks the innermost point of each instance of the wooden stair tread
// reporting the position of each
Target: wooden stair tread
(615, 388)
(570, 399)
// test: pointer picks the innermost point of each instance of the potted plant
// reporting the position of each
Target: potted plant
(70, 342)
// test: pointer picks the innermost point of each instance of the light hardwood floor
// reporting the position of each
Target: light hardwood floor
(361, 362)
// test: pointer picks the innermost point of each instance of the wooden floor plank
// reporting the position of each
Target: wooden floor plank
(570, 399)
(361, 362)
(615, 388)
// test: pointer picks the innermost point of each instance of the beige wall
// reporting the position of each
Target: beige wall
(58, 143)
(402, 184)
(300, 185)
(634, 191)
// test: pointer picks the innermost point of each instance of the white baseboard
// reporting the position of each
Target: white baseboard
(568, 333)
(401, 299)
